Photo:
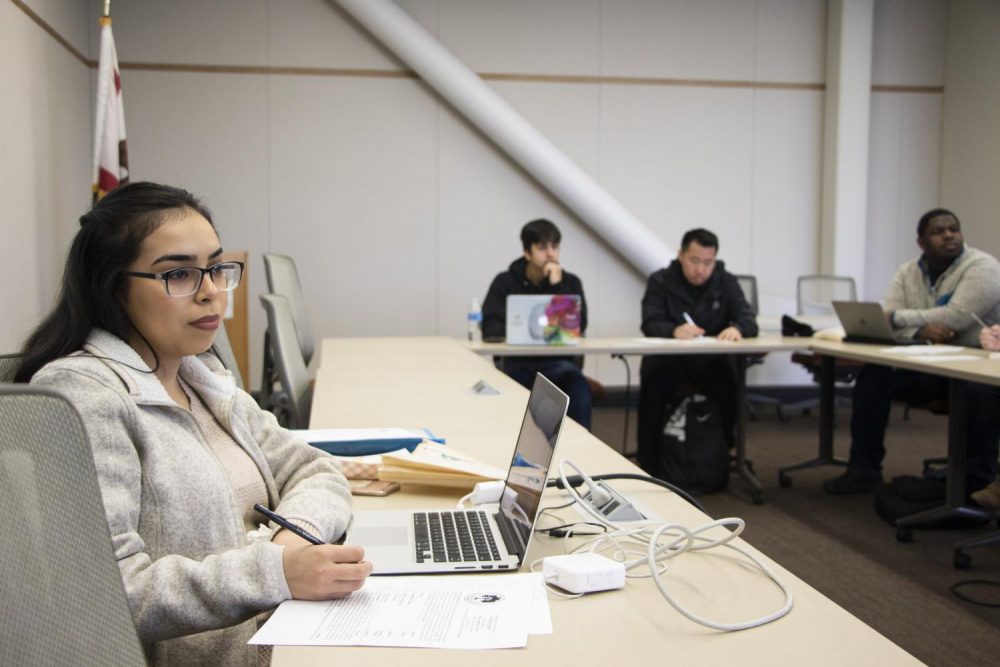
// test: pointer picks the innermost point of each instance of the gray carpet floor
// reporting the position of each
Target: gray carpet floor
(843, 549)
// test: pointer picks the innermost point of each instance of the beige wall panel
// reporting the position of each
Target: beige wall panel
(70, 18)
(353, 200)
(787, 159)
(524, 36)
(904, 158)
(45, 171)
(908, 42)
(692, 39)
(220, 32)
(681, 158)
(317, 33)
(970, 159)
(791, 41)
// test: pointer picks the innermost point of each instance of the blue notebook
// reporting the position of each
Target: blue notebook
(366, 441)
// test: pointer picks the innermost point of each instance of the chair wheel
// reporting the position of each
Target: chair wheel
(962, 560)
(784, 481)
(904, 534)
(757, 497)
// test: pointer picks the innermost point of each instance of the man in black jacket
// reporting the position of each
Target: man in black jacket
(538, 272)
(694, 296)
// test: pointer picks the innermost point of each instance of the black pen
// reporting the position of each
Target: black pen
(285, 523)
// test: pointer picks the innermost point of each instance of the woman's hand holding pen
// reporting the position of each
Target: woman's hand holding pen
(322, 572)
(989, 337)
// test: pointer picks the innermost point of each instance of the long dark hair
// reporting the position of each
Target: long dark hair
(108, 242)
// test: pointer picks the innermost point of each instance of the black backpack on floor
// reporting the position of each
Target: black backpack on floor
(694, 452)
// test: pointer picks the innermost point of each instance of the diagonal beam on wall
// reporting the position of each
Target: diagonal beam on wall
(510, 131)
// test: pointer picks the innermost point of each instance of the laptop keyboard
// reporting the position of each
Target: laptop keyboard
(453, 537)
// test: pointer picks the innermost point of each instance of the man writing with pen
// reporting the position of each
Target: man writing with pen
(694, 296)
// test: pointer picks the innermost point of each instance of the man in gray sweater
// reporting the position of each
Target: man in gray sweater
(935, 298)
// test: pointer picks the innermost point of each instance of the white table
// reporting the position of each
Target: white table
(426, 382)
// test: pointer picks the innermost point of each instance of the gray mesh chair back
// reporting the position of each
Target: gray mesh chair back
(63, 602)
(295, 398)
(283, 279)
(224, 351)
(815, 293)
(8, 366)
(748, 284)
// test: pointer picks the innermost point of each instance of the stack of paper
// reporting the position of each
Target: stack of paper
(437, 465)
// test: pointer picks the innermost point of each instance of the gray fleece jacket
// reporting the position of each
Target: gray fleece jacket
(970, 285)
(195, 580)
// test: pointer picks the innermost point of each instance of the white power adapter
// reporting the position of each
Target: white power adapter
(487, 492)
(583, 573)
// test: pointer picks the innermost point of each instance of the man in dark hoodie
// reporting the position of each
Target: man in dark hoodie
(539, 272)
(694, 296)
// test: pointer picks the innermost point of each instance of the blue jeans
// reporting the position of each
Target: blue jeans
(562, 373)
(876, 388)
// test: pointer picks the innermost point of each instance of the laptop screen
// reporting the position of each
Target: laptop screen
(529, 467)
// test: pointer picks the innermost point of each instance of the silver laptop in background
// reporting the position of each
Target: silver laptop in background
(866, 322)
(486, 538)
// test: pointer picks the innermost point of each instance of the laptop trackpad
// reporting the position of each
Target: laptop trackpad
(379, 536)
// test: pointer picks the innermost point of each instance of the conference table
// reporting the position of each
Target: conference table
(432, 383)
(740, 351)
(960, 367)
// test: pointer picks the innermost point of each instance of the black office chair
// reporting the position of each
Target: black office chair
(748, 284)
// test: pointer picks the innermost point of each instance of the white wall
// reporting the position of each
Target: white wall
(970, 162)
(905, 140)
(398, 212)
(44, 165)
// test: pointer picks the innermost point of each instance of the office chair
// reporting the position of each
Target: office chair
(294, 400)
(814, 295)
(283, 279)
(9, 364)
(223, 349)
(748, 284)
(63, 598)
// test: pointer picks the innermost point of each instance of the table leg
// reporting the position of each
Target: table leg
(741, 466)
(954, 506)
(827, 394)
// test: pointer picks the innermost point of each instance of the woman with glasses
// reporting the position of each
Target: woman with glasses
(181, 454)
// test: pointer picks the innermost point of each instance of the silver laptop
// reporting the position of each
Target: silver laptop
(866, 322)
(544, 319)
(486, 538)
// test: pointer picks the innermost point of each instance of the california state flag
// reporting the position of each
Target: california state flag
(110, 154)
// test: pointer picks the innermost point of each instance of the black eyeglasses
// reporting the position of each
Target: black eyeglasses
(186, 280)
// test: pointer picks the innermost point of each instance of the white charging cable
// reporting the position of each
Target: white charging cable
(679, 540)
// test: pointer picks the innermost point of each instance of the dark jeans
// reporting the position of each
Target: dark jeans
(876, 388)
(562, 373)
(660, 379)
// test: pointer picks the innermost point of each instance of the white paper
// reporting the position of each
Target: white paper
(922, 350)
(675, 341)
(469, 611)
(950, 357)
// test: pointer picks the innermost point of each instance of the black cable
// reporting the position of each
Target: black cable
(560, 530)
(577, 480)
(965, 598)
(628, 391)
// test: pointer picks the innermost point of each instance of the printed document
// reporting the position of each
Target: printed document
(460, 612)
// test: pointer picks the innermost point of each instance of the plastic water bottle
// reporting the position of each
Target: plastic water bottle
(475, 318)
